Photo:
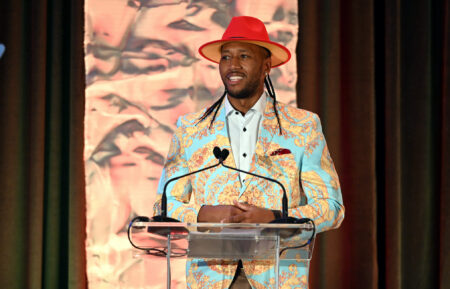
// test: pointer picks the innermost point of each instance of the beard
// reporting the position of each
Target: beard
(246, 92)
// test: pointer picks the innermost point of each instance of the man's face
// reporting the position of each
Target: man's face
(243, 67)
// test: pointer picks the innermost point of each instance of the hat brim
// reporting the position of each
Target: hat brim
(279, 54)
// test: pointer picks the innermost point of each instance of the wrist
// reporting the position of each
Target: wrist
(200, 214)
(203, 214)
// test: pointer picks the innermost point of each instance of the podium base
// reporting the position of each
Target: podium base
(166, 230)
(161, 219)
(291, 220)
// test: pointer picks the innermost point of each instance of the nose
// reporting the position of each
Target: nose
(235, 62)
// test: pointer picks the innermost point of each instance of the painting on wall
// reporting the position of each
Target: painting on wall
(143, 71)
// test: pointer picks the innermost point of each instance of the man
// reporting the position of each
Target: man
(266, 138)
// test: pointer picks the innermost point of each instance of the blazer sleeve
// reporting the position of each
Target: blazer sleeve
(319, 183)
(178, 192)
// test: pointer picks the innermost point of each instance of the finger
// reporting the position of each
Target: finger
(227, 220)
(236, 218)
(242, 206)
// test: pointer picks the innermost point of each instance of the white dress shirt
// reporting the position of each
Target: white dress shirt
(243, 132)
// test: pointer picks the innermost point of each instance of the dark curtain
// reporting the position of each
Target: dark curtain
(42, 206)
(377, 72)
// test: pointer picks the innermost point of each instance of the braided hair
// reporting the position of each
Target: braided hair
(271, 92)
(215, 107)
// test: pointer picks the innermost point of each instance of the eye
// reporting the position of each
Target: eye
(224, 57)
(244, 56)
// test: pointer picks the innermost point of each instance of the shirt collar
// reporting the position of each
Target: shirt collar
(259, 106)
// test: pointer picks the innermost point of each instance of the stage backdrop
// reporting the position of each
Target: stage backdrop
(142, 72)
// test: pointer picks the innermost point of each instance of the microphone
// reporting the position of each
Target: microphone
(221, 155)
(217, 153)
(163, 217)
(225, 154)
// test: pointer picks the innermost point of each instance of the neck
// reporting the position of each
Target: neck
(243, 105)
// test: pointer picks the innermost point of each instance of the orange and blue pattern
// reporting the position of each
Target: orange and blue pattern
(304, 167)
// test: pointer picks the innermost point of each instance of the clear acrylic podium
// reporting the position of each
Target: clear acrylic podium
(232, 241)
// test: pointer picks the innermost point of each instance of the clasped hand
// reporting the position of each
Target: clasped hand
(236, 213)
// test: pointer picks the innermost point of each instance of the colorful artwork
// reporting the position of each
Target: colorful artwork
(142, 72)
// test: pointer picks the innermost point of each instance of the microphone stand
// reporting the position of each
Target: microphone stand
(163, 217)
(285, 219)
(168, 230)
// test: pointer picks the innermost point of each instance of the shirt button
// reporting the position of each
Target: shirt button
(244, 155)
(245, 129)
(236, 113)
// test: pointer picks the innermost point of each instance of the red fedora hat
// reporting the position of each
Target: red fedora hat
(250, 30)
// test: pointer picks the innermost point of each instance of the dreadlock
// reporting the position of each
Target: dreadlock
(215, 107)
(271, 92)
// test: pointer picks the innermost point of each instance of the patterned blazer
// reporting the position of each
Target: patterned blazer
(298, 158)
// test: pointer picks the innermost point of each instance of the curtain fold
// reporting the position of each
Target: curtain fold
(410, 86)
(444, 238)
(41, 110)
(340, 53)
(377, 74)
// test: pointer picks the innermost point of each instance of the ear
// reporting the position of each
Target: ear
(268, 65)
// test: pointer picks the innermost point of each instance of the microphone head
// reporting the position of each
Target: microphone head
(217, 152)
(225, 154)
